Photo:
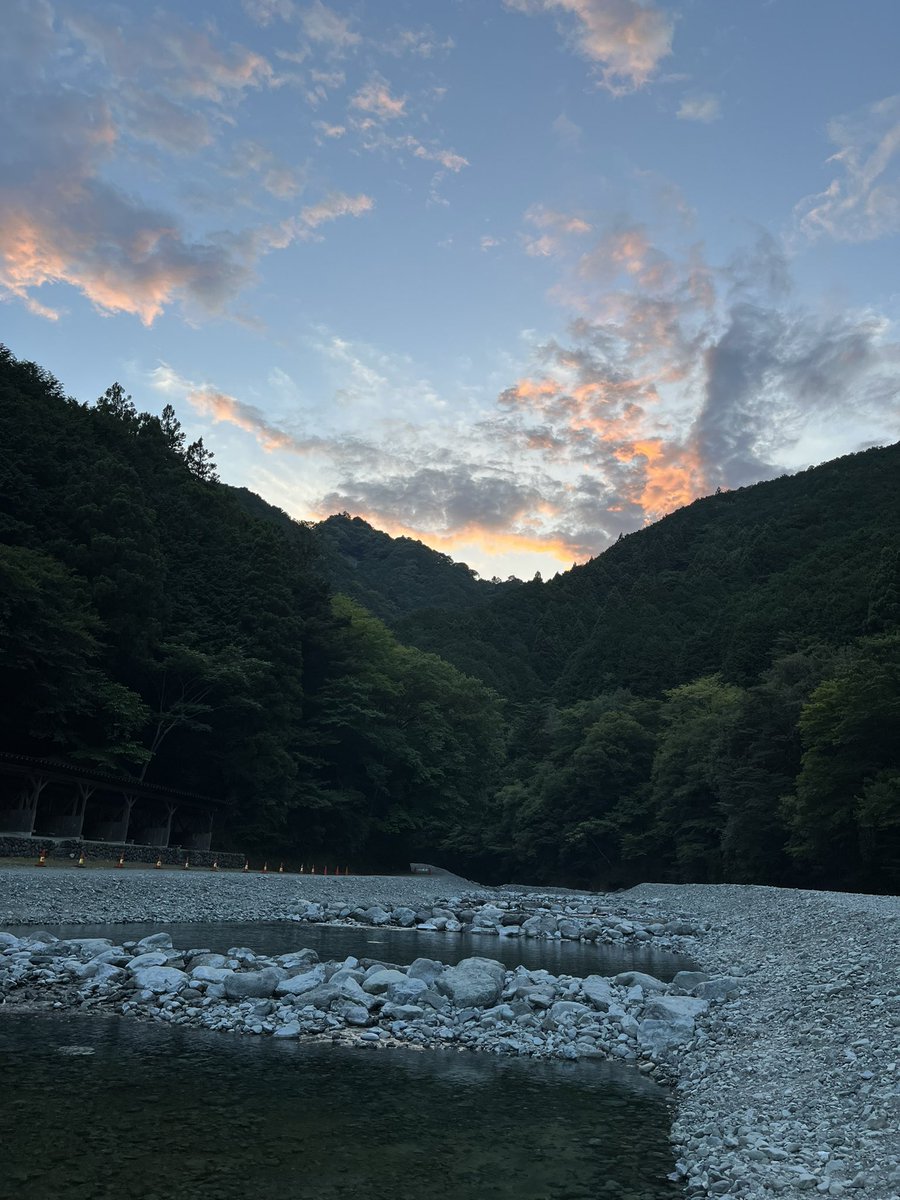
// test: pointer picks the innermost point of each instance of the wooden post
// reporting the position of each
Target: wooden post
(129, 799)
(170, 813)
(84, 791)
(37, 783)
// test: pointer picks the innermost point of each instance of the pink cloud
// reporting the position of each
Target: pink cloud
(626, 38)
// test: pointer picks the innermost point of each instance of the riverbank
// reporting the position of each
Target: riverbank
(787, 1080)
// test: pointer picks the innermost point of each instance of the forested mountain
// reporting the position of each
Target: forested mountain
(722, 584)
(390, 577)
(150, 625)
(716, 697)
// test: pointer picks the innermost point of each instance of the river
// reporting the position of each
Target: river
(98, 1107)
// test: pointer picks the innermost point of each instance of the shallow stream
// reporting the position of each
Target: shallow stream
(98, 1107)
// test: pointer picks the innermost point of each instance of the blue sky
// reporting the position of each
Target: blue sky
(511, 276)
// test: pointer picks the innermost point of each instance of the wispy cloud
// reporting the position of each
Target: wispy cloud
(264, 12)
(704, 108)
(375, 98)
(420, 43)
(338, 204)
(221, 407)
(626, 38)
(323, 25)
(555, 227)
(862, 202)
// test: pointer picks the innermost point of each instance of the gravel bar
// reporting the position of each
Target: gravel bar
(99, 895)
(788, 1087)
(793, 1088)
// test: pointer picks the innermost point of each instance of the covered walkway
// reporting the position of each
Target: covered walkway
(42, 797)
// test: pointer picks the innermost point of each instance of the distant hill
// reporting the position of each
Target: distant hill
(391, 577)
(723, 584)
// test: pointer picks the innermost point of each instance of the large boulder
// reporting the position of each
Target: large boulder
(297, 985)
(668, 1022)
(353, 1014)
(675, 1008)
(473, 982)
(320, 997)
(103, 973)
(151, 958)
(251, 985)
(204, 974)
(569, 929)
(564, 1012)
(427, 969)
(407, 992)
(540, 925)
(378, 981)
(207, 959)
(161, 980)
(598, 991)
(649, 983)
(155, 941)
(686, 981)
(488, 916)
(298, 958)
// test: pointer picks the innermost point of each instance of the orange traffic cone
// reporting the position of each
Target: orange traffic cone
(246, 865)
(346, 870)
(312, 869)
(121, 862)
(281, 869)
(187, 863)
(302, 869)
(42, 858)
(265, 869)
(158, 864)
(80, 862)
(215, 865)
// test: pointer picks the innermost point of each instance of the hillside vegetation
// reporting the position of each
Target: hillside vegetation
(717, 697)
(150, 625)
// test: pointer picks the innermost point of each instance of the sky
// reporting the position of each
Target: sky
(512, 277)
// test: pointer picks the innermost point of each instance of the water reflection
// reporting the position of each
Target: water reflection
(157, 1113)
(392, 945)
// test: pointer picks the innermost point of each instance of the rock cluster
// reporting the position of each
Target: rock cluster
(518, 914)
(477, 1003)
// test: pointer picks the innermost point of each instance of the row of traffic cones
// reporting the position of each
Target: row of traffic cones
(42, 862)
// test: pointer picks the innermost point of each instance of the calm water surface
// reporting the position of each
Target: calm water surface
(103, 1107)
(392, 945)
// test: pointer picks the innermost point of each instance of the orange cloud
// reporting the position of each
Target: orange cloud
(488, 541)
(36, 250)
(672, 476)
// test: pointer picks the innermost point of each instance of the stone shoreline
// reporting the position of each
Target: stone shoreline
(783, 1050)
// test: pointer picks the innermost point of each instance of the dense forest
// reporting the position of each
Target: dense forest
(149, 624)
(716, 697)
